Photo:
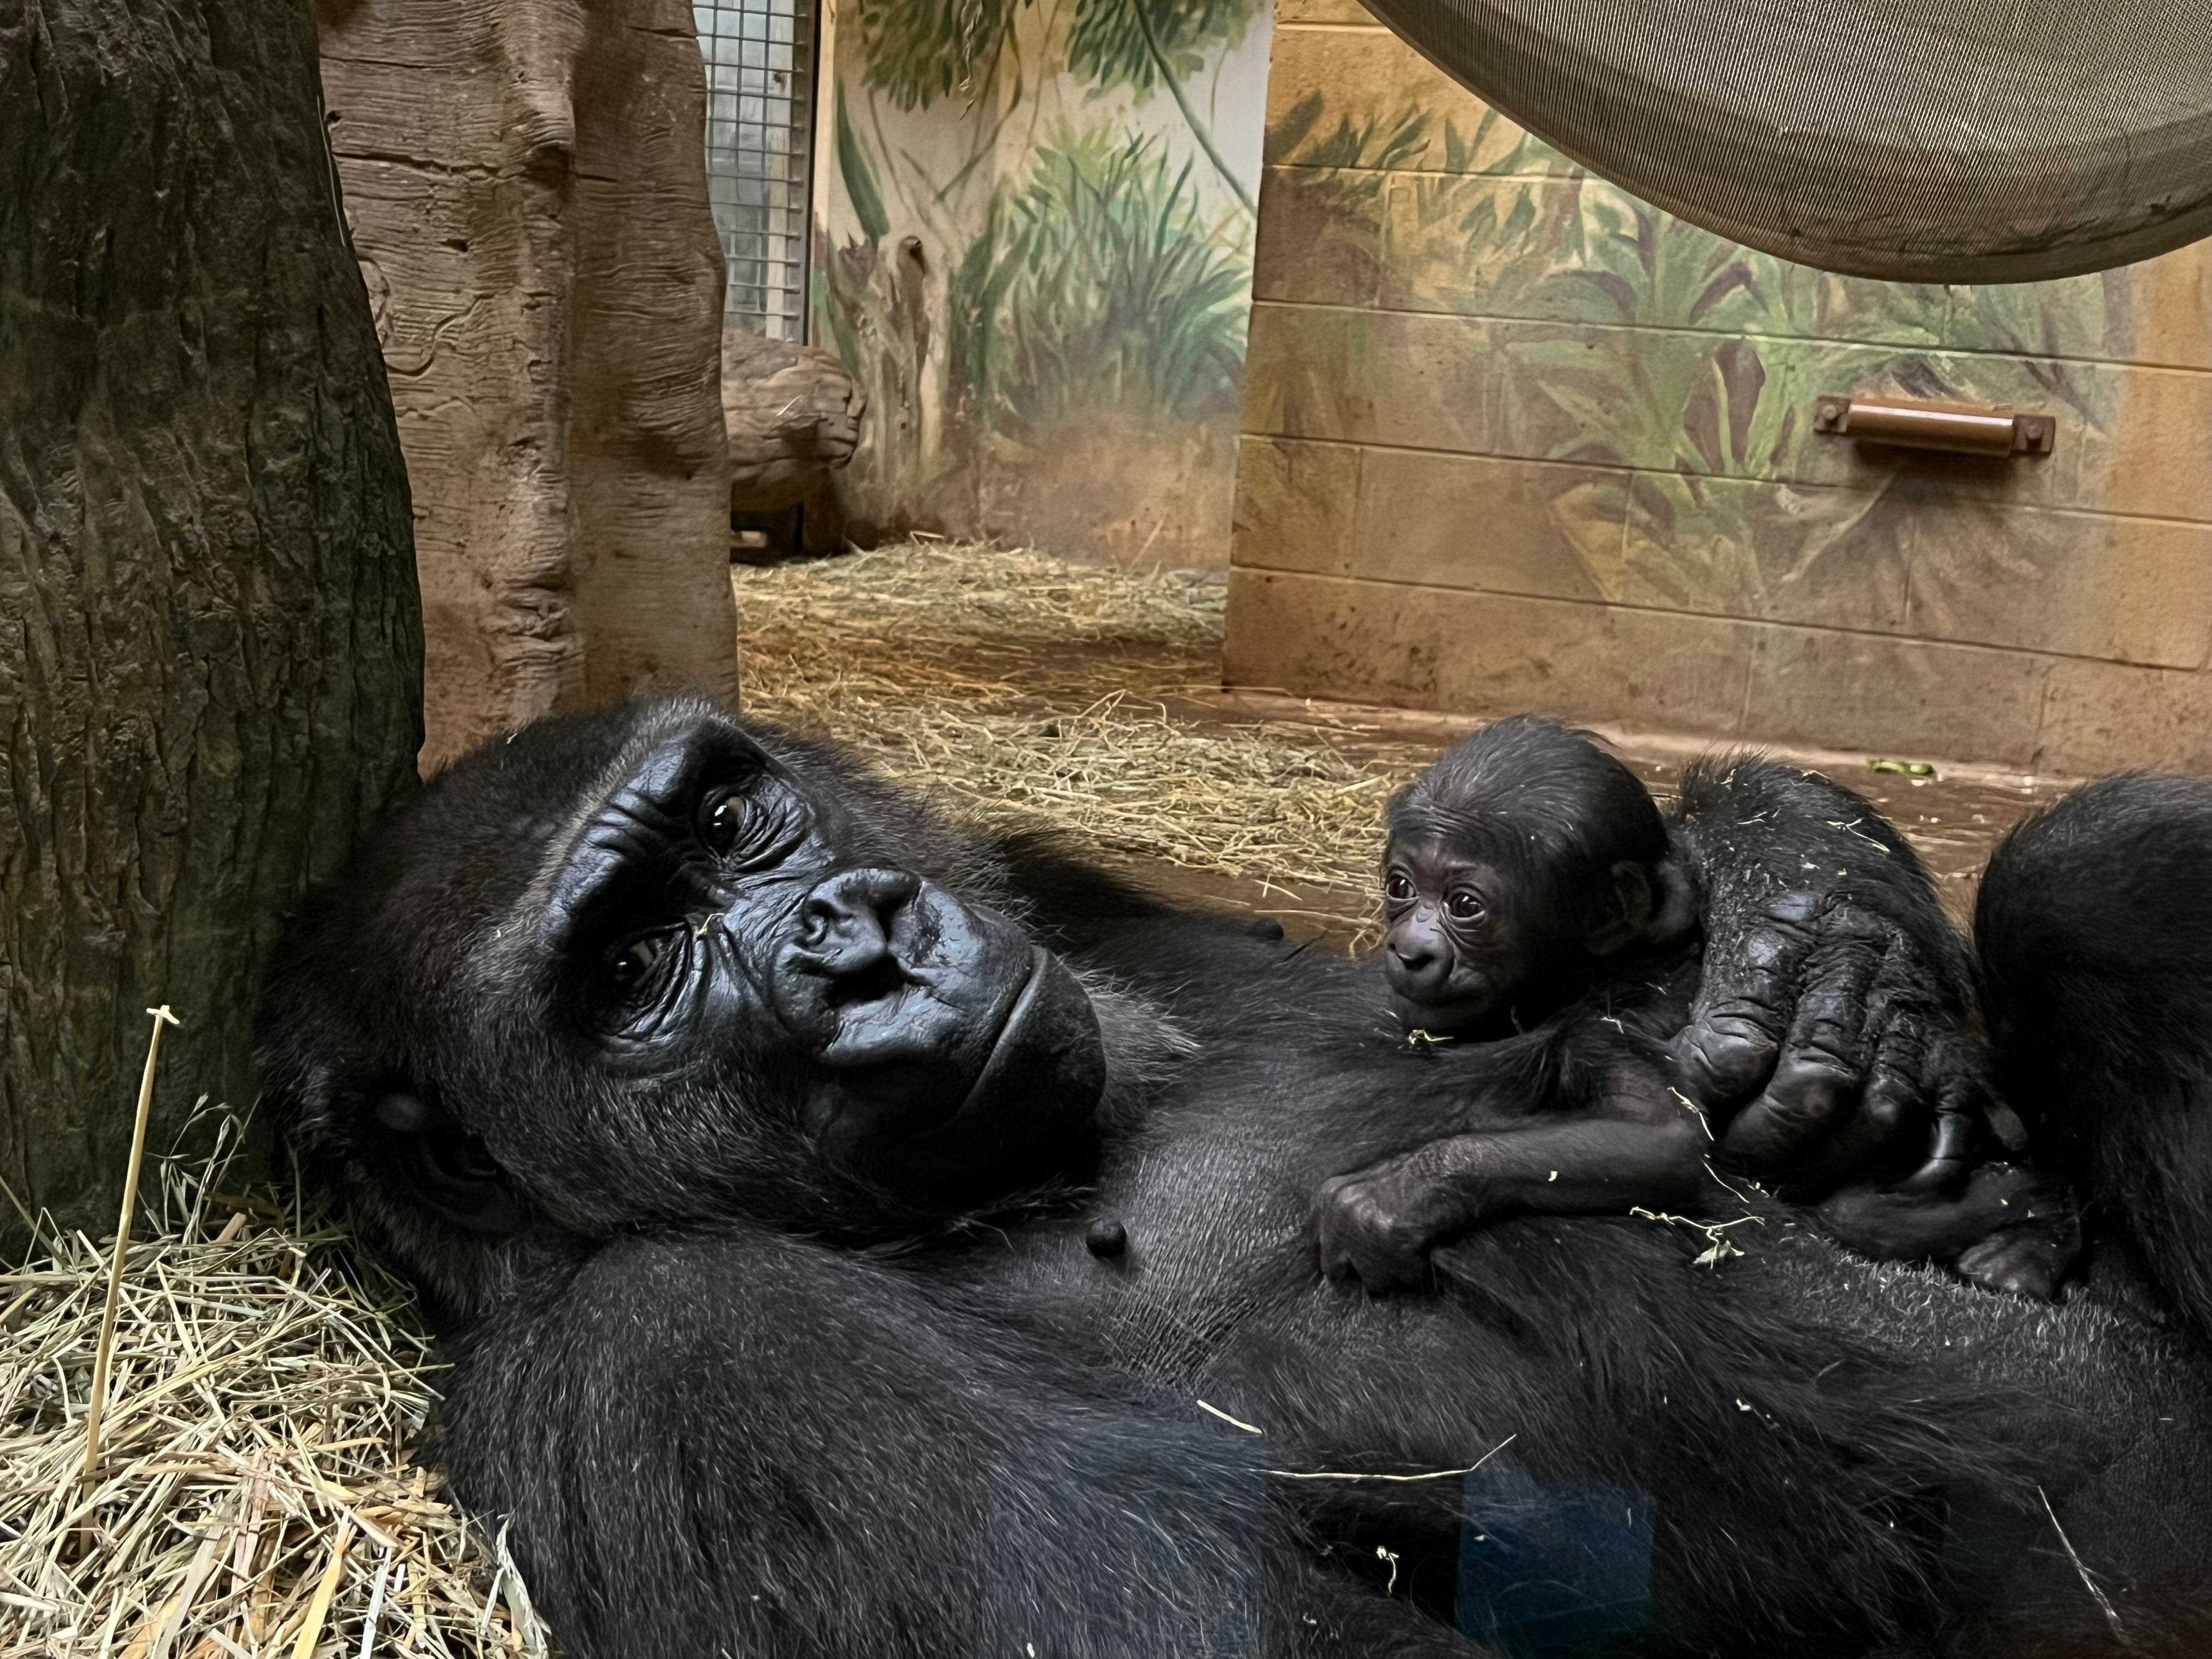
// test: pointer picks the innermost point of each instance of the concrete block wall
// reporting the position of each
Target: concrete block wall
(1512, 439)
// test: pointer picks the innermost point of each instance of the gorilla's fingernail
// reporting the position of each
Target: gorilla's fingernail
(1106, 1238)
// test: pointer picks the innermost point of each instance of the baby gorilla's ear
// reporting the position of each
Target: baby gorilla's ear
(1622, 915)
(1677, 903)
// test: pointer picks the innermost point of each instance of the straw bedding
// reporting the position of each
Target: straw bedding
(1018, 682)
(254, 1493)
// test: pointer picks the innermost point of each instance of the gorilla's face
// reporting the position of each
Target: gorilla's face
(656, 964)
(715, 919)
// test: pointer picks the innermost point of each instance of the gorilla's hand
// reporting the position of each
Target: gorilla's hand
(1835, 1034)
(1377, 1224)
(1831, 1032)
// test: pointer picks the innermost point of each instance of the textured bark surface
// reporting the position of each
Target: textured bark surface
(210, 654)
(794, 419)
(526, 184)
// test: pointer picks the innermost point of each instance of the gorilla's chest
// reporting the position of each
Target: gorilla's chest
(1209, 1202)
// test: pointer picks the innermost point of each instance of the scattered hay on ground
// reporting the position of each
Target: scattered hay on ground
(1015, 681)
(255, 1493)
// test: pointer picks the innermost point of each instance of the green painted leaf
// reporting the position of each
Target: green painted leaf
(859, 179)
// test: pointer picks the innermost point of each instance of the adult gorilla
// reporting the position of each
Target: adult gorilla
(834, 1220)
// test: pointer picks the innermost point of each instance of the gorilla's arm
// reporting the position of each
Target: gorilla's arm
(1832, 1023)
(745, 1443)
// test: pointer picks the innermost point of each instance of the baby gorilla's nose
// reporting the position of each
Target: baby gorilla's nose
(848, 924)
(1418, 968)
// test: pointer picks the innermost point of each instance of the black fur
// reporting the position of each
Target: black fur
(2094, 932)
(740, 1396)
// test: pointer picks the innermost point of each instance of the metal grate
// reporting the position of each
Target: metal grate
(760, 121)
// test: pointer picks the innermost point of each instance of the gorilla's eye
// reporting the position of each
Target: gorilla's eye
(1398, 887)
(633, 966)
(752, 826)
(722, 819)
(1464, 905)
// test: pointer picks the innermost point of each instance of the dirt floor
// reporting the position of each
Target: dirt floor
(1027, 685)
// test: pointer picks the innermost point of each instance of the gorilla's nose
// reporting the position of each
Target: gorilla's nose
(1417, 969)
(848, 924)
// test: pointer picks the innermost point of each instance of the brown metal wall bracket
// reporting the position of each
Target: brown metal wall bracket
(1913, 424)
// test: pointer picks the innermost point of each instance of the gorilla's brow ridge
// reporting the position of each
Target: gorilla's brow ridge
(556, 920)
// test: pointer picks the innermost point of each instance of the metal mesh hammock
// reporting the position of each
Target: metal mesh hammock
(1949, 141)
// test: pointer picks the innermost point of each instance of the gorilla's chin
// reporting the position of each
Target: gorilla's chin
(1468, 1015)
(1041, 1078)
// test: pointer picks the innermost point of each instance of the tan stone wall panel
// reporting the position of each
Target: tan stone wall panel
(1772, 553)
(1294, 504)
(1835, 691)
(1323, 11)
(2099, 717)
(1429, 647)
(2130, 438)
(1317, 242)
(2123, 589)
(1359, 84)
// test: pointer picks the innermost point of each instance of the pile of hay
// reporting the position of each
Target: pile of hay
(1017, 681)
(254, 1492)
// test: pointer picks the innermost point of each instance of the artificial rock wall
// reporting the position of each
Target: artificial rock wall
(1514, 439)
(526, 185)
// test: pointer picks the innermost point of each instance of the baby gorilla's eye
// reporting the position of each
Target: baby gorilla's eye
(1398, 887)
(1463, 906)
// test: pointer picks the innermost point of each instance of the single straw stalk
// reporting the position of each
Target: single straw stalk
(106, 1353)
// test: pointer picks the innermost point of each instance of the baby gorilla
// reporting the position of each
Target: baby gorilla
(1533, 908)
(1539, 921)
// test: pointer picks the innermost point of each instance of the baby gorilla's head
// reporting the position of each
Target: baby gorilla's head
(1517, 865)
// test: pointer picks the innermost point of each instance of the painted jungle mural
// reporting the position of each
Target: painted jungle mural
(1036, 255)
(1659, 356)
(1514, 439)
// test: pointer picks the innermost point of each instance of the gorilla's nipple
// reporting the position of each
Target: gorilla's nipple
(1106, 1238)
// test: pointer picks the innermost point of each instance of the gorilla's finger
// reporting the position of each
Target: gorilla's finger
(1950, 1139)
(1385, 1265)
(1744, 1005)
(1801, 1107)
(1832, 1016)
(1730, 1052)
(1893, 1102)
(2017, 1261)
(1818, 1077)
(1335, 1259)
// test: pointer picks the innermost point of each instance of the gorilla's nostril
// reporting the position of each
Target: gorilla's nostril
(867, 981)
(846, 926)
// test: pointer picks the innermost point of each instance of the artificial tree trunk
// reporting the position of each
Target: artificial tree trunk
(526, 183)
(210, 648)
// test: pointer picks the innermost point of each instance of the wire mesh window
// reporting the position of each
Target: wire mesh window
(760, 118)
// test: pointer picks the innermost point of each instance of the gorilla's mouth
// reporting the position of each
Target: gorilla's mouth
(963, 1119)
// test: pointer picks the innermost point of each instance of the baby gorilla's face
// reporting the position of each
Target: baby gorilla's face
(1460, 945)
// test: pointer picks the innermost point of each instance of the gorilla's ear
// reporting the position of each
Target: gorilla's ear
(1623, 914)
(1677, 904)
(446, 1169)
